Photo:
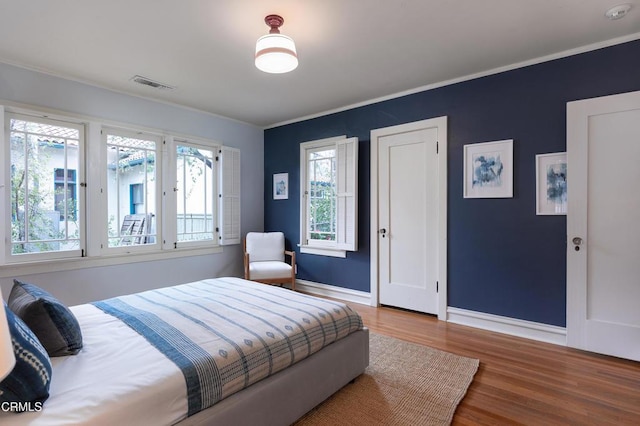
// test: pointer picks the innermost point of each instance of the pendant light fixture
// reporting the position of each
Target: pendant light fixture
(275, 52)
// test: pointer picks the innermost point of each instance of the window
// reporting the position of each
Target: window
(65, 196)
(328, 204)
(45, 211)
(136, 192)
(195, 191)
(132, 188)
(321, 167)
(150, 192)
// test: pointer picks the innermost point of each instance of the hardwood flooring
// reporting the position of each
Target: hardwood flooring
(523, 381)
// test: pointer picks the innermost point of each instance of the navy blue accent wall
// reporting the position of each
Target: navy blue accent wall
(503, 259)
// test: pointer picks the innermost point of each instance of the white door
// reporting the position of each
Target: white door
(408, 208)
(603, 225)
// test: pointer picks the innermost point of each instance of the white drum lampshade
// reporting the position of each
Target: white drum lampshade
(275, 52)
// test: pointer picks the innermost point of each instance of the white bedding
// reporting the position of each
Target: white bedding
(119, 378)
(98, 387)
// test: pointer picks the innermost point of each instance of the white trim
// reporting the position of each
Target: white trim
(321, 143)
(169, 201)
(8, 114)
(325, 290)
(346, 175)
(512, 326)
(373, 221)
(48, 266)
(96, 180)
(443, 184)
(155, 209)
(440, 123)
(539, 60)
(52, 113)
(304, 146)
(322, 251)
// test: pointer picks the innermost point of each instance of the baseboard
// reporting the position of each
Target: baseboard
(346, 294)
(515, 327)
(512, 326)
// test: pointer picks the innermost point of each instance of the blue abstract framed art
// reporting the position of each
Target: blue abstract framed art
(488, 170)
(281, 186)
(551, 184)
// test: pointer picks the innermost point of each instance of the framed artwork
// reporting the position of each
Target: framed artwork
(281, 186)
(488, 170)
(551, 184)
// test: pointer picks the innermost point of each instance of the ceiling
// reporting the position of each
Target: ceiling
(350, 52)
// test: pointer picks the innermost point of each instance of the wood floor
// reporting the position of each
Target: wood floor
(522, 381)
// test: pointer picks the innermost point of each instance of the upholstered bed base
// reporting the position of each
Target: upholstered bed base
(283, 398)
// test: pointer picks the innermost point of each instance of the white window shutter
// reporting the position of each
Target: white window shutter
(229, 206)
(347, 187)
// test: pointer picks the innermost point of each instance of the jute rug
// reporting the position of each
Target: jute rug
(405, 384)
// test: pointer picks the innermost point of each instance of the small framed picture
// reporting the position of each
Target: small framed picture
(551, 184)
(281, 186)
(488, 170)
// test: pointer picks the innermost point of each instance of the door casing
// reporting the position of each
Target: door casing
(594, 324)
(440, 123)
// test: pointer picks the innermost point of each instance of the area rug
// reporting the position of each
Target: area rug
(405, 384)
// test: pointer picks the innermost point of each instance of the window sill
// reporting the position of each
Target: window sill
(323, 251)
(10, 270)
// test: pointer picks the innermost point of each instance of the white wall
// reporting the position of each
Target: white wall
(82, 285)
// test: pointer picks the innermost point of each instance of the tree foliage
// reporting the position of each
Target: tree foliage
(32, 221)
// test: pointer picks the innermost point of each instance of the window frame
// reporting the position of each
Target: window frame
(158, 205)
(345, 213)
(92, 210)
(6, 255)
(172, 192)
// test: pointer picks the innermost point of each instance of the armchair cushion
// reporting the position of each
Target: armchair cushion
(267, 270)
(267, 246)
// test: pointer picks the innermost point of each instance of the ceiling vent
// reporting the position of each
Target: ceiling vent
(151, 83)
(618, 12)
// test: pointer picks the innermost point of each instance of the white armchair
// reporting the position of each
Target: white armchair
(264, 259)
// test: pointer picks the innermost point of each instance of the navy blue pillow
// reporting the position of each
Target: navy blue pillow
(30, 378)
(54, 324)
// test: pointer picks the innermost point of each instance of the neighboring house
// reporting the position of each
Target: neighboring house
(131, 190)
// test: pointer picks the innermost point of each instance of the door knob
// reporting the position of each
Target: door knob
(383, 232)
(577, 241)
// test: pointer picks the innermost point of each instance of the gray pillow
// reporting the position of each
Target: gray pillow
(52, 322)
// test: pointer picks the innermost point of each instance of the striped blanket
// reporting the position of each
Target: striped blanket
(227, 333)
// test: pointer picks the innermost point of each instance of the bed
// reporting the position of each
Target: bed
(166, 357)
